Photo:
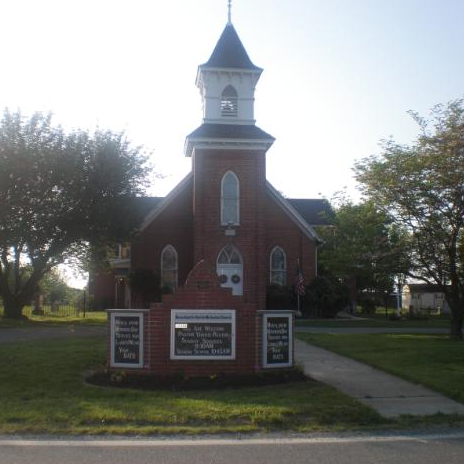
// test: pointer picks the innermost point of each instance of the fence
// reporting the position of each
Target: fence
(54, 310)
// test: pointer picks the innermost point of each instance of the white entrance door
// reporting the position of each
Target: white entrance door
(230, 269)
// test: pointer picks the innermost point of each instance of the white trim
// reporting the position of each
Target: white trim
(223, 223)
(292, 213)
(206, 312)
(173, 194)
(118, 263)
(125, 313)
(202, 69)
(270, 263)
(210, 143)
(289, 316)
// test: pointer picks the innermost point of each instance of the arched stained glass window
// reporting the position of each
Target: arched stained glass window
(229, 255)
(230, 199)
(229, 102)
(169, 267)
(278, 267)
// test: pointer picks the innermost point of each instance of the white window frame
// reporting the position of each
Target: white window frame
(223, 221)
(271, 269)
(167, 247)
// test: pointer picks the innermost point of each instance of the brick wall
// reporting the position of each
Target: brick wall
(173, 226)
(211, 296)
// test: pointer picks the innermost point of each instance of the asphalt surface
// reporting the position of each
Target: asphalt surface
(359, 449)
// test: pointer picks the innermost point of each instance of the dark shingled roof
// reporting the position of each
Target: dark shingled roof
(316, 212)
(230, 52)
(230, 131)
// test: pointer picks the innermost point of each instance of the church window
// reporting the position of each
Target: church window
(230, 199)
(169, 267)
(278, 270)
(229, 102)
(229, 255)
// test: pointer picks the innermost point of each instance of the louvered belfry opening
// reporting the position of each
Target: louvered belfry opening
(229, 102)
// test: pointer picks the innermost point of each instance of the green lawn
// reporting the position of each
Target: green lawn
(378, 320)
(42, 390)
(435, 361)
(94, 318)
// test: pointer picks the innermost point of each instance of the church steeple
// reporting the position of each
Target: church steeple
(227, 84)
(227, 81)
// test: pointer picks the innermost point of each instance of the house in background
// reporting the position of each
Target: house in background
(224, 211)
(424, 297)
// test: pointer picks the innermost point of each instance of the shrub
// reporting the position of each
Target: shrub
(278, 297)
(325, 297)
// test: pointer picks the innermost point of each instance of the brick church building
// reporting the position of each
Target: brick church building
(224, 211)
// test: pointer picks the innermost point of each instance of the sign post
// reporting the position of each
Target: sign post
(126, 329)
(277, 339)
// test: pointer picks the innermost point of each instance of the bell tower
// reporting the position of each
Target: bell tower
(228, 154)
(227, 82)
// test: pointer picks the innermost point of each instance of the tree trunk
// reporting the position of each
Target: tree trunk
(13, 308)
(456, 322)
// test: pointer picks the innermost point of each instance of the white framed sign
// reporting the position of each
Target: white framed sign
(126, 331)
(277, 339)
(201, 334)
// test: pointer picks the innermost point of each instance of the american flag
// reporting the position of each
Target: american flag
(299, 283)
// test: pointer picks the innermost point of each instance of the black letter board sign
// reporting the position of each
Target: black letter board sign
(126, 339)
(203, 334)
(277, 340)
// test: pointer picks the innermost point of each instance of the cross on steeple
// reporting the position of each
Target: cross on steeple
(229, 13)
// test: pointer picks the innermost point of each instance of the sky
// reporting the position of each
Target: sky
(339, 75)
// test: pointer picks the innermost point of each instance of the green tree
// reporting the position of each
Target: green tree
(53, 287)
(59, 192)
(422, 187)
(364, 248)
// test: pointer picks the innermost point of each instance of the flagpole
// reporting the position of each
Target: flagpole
(298, 313)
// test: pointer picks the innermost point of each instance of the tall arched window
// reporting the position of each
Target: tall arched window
(230, 196)
(169, 267)
(278, 267)
(229, 102)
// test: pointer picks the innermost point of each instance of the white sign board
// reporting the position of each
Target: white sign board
(126, 339)
(277, 339)
(200, 334)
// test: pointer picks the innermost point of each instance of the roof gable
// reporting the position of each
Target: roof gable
(315, 211)
(294, 215)
(166, 201)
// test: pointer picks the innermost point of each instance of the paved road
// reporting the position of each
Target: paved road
(24, 334)
(423, 449)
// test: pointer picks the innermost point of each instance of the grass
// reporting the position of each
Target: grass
(380, 321)
(434, 361)
(42, 391)
(91, 318)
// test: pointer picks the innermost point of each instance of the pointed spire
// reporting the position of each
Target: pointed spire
(229, 12)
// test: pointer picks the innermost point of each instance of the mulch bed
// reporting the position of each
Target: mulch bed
(124, 379)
